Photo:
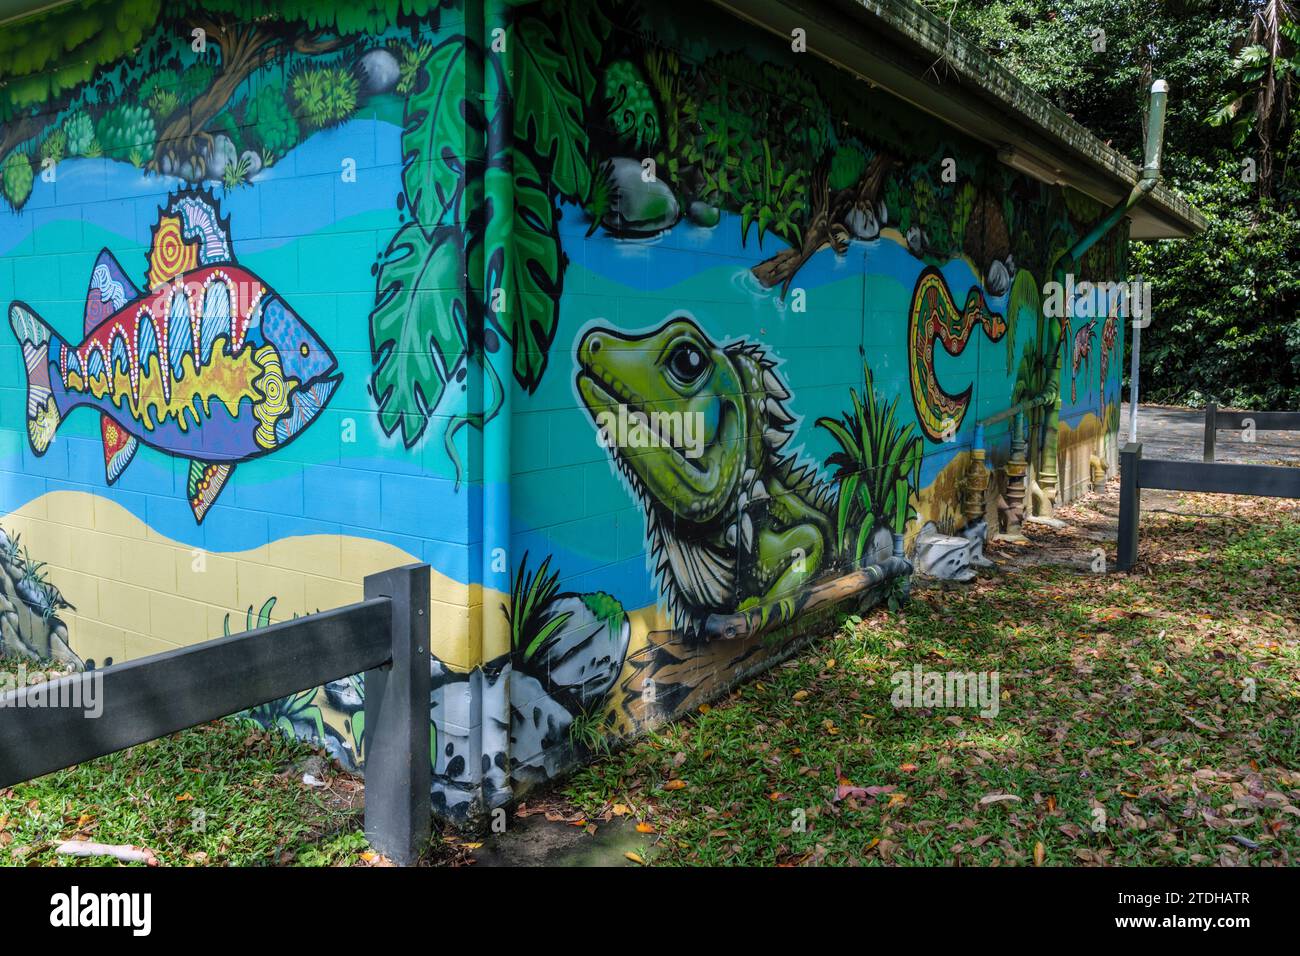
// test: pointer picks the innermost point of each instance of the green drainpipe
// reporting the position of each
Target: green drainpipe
(498, 197)
(1047, 471)
(488, 394)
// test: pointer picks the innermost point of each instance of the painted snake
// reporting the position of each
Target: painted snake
(934, 315)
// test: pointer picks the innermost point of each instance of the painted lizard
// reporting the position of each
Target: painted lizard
(733, 524)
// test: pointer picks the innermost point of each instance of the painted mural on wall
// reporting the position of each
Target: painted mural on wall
(367, 231)
(30, 605)
(211, 366)
(741, 527)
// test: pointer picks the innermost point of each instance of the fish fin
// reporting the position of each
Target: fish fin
(199, 228)
(119, 447)
(206, 482)
(170, 254)
(37, 341)
(110, 289)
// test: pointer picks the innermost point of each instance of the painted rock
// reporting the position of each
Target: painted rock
(31, 593)
(60, 650)
(10, 641)
(917, 240)
(703, 214)
(998, 280)
(345, 694)
(943, 556)
(254, 162)
(539, 731)
(879, 546)
(223, 154)
(379, 72)
(640, 208)
(581, 661)
(975, 533)
(862, 222)
(472, 739)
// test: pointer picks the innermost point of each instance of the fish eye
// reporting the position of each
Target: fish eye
(687, 363)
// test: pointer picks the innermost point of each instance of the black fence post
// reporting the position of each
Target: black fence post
(1211, 426)
(398, 769)
(1130, 506)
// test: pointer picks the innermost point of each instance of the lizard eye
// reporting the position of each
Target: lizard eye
(686, 363)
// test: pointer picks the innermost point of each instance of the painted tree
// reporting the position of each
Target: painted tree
(45, 61)
(246, 40)
(49, 62)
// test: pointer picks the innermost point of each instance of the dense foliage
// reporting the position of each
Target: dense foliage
(1225, 323)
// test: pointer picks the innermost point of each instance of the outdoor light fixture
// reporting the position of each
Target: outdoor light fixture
(1030, 166)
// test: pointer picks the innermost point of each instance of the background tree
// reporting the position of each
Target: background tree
(1225, 323)
(45, 62)
(1266, 67)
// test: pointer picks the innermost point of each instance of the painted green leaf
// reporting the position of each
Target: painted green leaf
(544, 633)
(848, 493)
(525, 261)
(582, 28)
(436, 138)
(549, 105)
(417, 328)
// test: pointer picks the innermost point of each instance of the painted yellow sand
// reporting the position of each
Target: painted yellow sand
(940, 501)
(137, 592)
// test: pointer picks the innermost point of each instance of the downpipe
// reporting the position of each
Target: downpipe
(494, 376)
(1047, 477)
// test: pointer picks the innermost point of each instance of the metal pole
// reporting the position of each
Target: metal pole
(398, 767)
(1211, 426)
(1133, 383)
(1130, 507)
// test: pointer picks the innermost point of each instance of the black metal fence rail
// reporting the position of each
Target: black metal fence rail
(1260, 421)
(1136, 473)
(386, 636)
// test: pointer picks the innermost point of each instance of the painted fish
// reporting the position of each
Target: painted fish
(209, 365)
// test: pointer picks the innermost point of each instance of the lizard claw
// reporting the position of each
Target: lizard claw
(747, 532)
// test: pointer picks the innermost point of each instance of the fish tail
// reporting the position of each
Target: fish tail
(37, 340)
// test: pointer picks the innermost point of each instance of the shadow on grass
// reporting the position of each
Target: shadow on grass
(1143, 719)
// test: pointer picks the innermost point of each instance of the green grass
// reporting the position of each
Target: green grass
(225, 793)
(1120, 695)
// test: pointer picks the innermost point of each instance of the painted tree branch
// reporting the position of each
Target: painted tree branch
(245, 48)
(826, 225)
(19, 132)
